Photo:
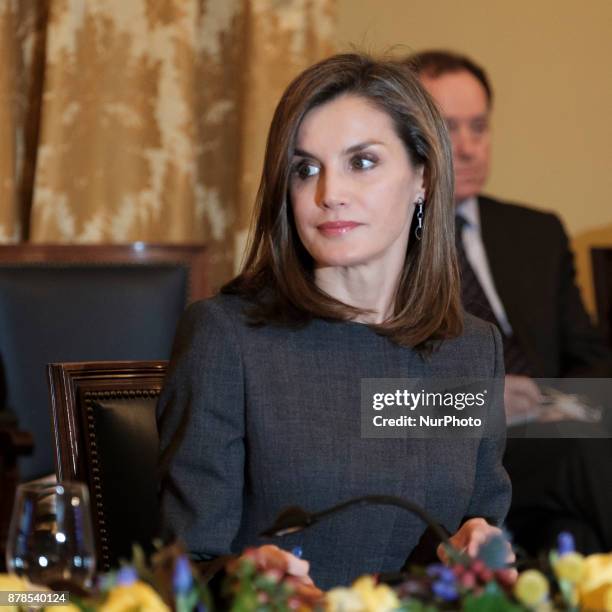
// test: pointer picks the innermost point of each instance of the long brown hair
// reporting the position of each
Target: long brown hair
(277, 276)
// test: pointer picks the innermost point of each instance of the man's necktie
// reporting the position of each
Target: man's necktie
(475, 302)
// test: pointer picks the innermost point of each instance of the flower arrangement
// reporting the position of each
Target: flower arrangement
(169, 582)
(583, 583)
(263, 580)
(569, 582)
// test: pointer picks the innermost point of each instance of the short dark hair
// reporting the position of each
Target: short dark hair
(278, 273)
(436, 62)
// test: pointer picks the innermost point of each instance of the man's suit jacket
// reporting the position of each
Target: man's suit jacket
(533, 271)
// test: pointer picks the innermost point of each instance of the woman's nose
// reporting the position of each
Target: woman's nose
(332, 190)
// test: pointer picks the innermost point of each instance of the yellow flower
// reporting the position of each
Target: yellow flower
(133, 598)
(531, 588)
(9, 582)
(342, 599)
(376, 598)
(364, 596)
(569, 567)
(595, 588)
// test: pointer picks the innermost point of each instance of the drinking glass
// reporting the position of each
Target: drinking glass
(50, 539)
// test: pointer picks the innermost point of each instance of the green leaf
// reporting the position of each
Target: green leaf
(414, 605)
(490, 602)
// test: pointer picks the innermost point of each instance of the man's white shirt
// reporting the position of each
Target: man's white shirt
(477, 256)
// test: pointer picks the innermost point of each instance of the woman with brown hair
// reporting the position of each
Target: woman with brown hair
(351, 274)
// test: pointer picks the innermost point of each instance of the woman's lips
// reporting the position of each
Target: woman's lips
(335, 228)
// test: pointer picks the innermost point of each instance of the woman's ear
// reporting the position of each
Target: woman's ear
(423, 179)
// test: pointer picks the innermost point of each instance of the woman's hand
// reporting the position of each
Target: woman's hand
(470, 536)
(280, 563)
(271, 558)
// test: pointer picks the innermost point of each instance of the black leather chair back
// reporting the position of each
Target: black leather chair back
(79, 312)
(106, 436)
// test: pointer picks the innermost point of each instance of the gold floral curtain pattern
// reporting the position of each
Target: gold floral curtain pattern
(144, 119)
(22, 38)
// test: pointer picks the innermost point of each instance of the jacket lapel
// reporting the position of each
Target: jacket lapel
(495, 237)
(500, 240)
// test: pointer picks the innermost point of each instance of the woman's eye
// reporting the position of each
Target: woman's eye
(451, 126)
(305, 170)
(362, 163)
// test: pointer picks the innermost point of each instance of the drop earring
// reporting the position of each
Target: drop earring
(420, 203)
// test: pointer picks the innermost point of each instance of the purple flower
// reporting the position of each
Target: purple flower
(126, 576)
(444, 573)
(565, 543)
(444, 590)
(182, 580)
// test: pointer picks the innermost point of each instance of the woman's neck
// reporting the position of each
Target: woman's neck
(362, 287)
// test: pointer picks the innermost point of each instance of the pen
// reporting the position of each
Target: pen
(297, 552)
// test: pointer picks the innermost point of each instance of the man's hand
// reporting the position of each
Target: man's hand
(470, 536)
(522, 397)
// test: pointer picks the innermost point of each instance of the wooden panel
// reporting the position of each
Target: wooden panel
(192, 255)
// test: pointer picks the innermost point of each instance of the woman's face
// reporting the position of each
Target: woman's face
(352, 185)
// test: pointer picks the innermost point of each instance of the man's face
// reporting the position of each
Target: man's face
(463, 102)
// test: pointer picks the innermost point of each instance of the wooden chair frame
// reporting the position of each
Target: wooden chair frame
(74, 387)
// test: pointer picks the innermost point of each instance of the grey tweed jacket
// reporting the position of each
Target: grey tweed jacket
(254, 419)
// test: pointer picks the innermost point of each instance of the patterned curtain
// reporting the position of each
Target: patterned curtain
(144, 119)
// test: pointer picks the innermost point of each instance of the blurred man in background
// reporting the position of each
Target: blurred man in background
(517, 272)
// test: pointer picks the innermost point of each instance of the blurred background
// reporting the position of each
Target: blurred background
(145, 120)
